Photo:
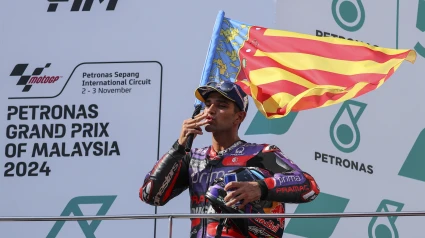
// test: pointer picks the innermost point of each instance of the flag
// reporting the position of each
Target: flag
(286, 71)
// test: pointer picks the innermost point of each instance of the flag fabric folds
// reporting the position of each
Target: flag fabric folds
(286, 71)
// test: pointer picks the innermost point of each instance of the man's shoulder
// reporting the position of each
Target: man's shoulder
(262, 147)
(266, 147)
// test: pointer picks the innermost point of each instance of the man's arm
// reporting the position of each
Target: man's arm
(289, 183)
(168, 178)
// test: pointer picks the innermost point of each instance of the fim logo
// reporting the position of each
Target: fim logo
(76, 6)
(73, 208)
(35, 78)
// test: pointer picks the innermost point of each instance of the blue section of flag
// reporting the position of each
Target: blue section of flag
(222, 62)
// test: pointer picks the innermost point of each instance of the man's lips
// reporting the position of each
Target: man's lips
(209, 118)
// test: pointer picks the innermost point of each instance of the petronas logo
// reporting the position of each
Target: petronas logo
(344, 131)
(380, 227)
(348, 14)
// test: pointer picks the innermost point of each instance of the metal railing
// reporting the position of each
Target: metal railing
(185, 216)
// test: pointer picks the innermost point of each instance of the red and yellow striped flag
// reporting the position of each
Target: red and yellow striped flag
(286, 71)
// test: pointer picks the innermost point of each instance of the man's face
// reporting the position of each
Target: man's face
(223, 114)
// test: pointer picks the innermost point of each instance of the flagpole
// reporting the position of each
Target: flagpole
(206, 70)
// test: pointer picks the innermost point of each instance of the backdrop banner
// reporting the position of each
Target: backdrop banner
(96, 91)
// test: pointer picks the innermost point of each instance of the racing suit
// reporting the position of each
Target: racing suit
(176, 171)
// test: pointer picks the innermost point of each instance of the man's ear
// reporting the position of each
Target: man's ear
(241, 116)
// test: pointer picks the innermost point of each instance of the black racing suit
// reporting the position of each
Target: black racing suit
(176, 171)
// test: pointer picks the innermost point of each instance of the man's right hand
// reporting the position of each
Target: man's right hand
(192, 126)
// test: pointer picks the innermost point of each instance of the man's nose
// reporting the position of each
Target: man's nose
(211, 109)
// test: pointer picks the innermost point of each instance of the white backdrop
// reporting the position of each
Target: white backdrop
(161, 46)
(80, 44)
(386, 122)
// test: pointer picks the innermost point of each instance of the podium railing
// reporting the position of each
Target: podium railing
(170, 217)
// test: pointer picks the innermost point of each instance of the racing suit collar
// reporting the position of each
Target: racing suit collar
(217, 155)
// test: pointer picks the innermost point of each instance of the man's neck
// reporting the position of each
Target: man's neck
(223, 141)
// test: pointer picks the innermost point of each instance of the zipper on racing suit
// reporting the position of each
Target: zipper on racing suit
(204, 220)
(212, 163)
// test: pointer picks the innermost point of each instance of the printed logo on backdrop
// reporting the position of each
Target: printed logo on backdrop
(414, 165)
(344, 131)
(345, 136)
(420, 25)
(261, 125)
(77, 5)
(27, 81)
(36, 81)
(348, 14)
(317, 227)
(380, 227)
(73, 207)
(37, 132)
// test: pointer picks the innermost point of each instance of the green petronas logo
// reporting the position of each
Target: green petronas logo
(279, 126)
(317, 227)
(414, 165)
(420, 25)
(348, 14)
(382, 227)
(344, 132)
(73, 208)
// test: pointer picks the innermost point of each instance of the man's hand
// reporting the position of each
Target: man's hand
(246, 191)
(192, 126)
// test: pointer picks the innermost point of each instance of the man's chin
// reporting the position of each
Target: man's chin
(209, 128)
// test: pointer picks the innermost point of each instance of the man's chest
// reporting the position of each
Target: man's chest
(202, 172)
